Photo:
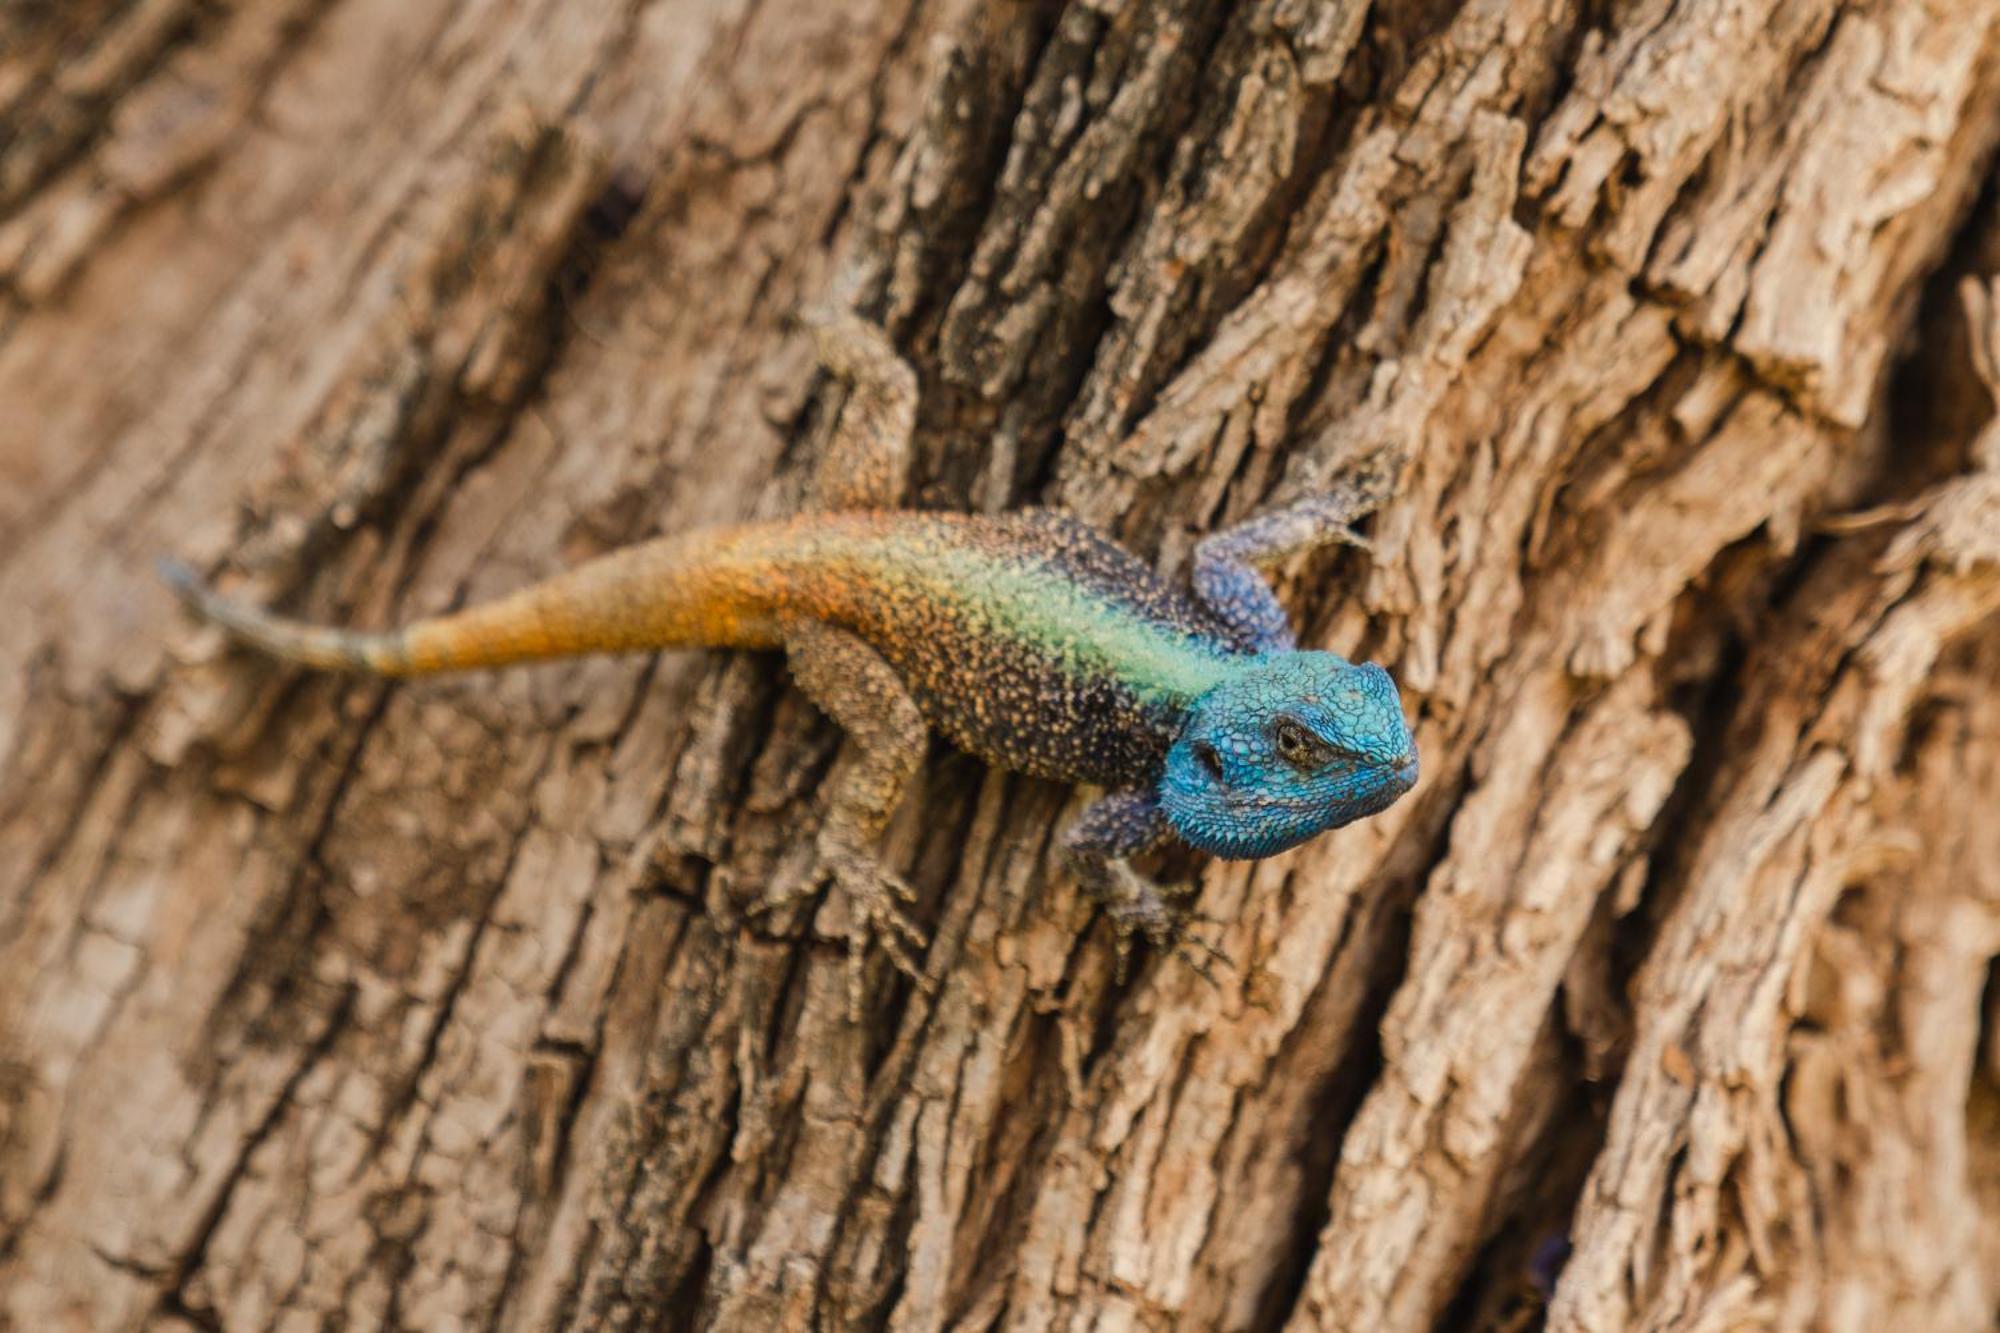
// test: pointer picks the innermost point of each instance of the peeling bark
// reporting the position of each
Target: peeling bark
(1666, 1001)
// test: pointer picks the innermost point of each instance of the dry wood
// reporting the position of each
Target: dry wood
(1668, 999)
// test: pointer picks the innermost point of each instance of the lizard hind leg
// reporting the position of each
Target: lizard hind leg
(867, 462)
(853, 685)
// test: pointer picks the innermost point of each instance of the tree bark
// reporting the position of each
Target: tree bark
(1666, 1001)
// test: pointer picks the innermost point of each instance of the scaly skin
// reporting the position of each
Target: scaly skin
(1027, 639)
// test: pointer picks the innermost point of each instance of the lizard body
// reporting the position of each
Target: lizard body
(1028, 639)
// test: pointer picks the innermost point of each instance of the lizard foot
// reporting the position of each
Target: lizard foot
(877, 897)
(1139, 907)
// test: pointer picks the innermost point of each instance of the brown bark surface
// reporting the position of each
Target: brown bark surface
(1668, 999)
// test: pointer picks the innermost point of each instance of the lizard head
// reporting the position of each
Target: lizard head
(1289, 746)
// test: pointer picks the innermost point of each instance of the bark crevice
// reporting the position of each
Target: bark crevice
(1666, 1000)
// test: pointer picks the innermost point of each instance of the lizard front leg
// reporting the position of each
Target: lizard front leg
(1228, 565)
(851, 683)
(1096, 847)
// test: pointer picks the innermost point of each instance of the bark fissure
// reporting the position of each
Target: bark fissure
(1666, 1000)
(173, 1285)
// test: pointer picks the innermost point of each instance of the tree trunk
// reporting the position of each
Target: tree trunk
(1666, 1001)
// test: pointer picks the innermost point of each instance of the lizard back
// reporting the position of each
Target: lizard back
(1028, 639)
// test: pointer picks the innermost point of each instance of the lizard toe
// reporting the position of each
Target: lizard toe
(875, 898)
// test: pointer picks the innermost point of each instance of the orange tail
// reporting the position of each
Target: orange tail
(713, 587)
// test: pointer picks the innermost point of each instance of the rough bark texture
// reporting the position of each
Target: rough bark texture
(1667, 1001)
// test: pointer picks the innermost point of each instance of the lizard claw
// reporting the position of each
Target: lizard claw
(1200, 954)
(1139, 907)
(876, 897)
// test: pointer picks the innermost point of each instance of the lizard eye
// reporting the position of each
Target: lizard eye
(1295, 745)
(1206, 755)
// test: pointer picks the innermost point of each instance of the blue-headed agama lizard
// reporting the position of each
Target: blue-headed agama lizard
(1028, 639)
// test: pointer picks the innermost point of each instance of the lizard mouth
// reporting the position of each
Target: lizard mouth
(1391, 781)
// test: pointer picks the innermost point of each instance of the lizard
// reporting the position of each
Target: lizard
(1028, 639)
